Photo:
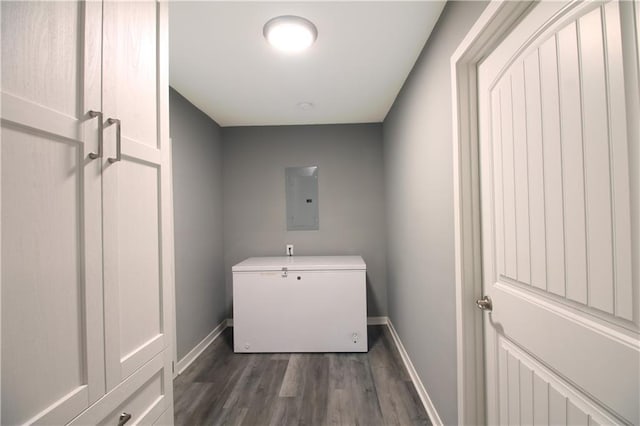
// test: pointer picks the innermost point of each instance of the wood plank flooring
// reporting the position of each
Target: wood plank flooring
(224, 388)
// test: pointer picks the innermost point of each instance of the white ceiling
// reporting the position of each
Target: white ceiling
(220, 61)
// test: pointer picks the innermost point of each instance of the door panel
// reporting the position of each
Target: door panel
(43, 36)
(134, 94)
(139, 263)
(563, 172)
(536, 396)
(134, 191)
(573, 184)
(575, 348)
(42, 282)
(552, 167)
(133, 261)
(535, 169)
(557, 218)
(52, 329)
(620, 155)
(138, 257)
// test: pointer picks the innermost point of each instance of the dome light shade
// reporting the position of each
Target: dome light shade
(290, 33)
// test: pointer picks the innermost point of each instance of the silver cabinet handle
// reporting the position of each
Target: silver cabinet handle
(94, 114)
(124, 417)
(118, 156)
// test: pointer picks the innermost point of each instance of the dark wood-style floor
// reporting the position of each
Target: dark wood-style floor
(372, 388)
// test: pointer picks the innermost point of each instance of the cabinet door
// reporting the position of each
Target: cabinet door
(137, 198)
(51, 285)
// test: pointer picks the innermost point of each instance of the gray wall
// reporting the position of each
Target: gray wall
(419, 200)
(351, 196)
(197, 194)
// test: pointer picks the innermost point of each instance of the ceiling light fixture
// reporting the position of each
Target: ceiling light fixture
(289, 33)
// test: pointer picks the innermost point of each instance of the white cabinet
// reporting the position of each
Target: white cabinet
(300, 304)
(87, 242)
(143, 396)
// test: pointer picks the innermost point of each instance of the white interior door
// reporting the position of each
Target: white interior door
(559, 170)
(52, 327)
(136, 188)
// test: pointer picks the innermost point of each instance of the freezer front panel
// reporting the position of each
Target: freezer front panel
(300, 311)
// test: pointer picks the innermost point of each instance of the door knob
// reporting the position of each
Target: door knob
(484, 304)
(124, 418)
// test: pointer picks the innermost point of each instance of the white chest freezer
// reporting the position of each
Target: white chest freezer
(300, 304)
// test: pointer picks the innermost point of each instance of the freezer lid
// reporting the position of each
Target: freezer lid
(301, 263)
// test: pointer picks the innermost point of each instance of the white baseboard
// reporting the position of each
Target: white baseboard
(377, 320)
(200, 347)
(422, 392)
